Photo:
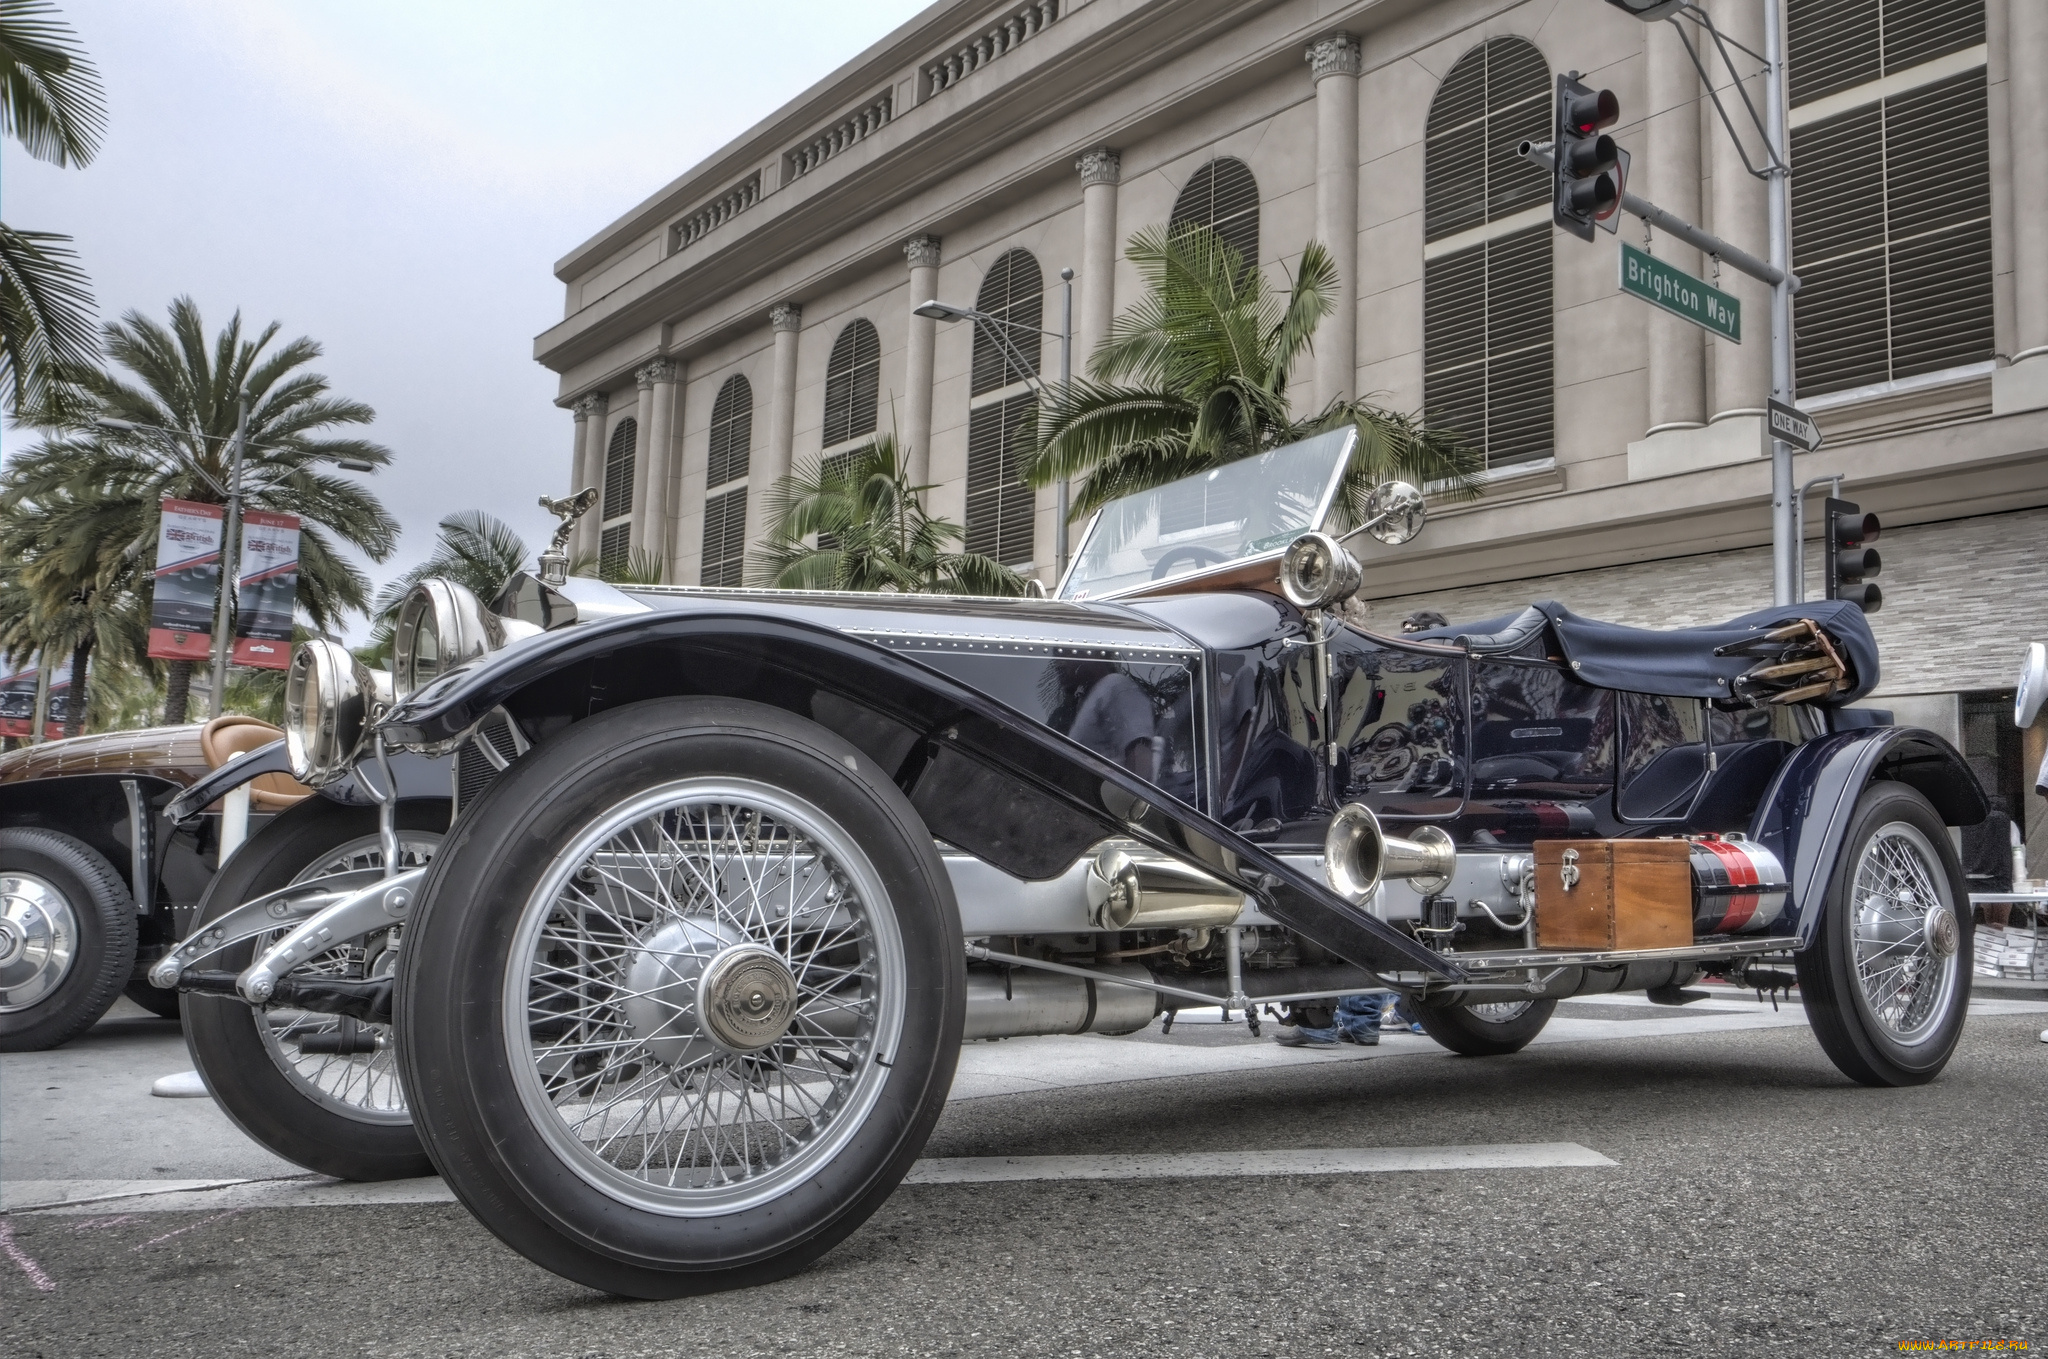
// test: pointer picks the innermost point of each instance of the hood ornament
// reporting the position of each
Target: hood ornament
(554, 563)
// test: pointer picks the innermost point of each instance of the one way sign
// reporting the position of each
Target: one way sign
(1793, 425)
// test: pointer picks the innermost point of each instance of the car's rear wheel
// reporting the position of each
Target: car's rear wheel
(682, 997)
(1492, 1028)
(1886, 980)
(320, 1090)
(67, 938)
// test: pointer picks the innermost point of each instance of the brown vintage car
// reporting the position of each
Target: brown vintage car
(96, 880)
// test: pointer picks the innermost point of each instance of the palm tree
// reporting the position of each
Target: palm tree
(100, 489)
(855, 522)
(473, 549)
(67, 597)
(50, 102)
(1195, 375)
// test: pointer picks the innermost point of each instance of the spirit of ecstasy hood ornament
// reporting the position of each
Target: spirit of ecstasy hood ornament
(554, 563)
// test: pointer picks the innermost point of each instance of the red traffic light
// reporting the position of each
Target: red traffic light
(1852, 529)
(1587, 113)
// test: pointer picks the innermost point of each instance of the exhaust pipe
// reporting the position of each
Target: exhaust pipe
(1131, 887)
(1022, 1003)
(1358, 855)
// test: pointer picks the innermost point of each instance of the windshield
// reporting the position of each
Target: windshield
(1244, 510)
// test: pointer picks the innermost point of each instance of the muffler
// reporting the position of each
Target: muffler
(1023, 1002)
(1131, 887)
(1358, 855)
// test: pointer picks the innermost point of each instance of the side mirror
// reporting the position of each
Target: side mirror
(1395, 512)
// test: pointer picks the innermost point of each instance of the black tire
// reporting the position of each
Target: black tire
(159, 1002)
(1872, 1042)
(227, 1038)
(1476, 1030)
(57, 875)
(491, 1107)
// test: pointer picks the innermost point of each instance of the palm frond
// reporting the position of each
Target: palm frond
(50, 96)
(46, 325)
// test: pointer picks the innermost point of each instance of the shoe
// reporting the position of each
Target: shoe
(1290, 1036)
(1415, 1028)
(1369, 1038)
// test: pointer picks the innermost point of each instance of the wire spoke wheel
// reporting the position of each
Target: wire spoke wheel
(702, 994)
(339, 1063)
(1903, 934)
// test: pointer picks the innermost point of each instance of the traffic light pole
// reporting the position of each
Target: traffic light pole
(1787, 552)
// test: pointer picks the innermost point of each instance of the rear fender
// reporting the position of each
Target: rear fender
(1804, 816)
(987, 778)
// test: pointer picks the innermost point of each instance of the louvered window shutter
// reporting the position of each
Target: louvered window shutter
(1487, 310)
(618, 469)
(999, 504)
(732, 433)
(1224, 197)
(853, 384)
(1014, 291)
(1891, 195)
(614, 549)
(725, 539)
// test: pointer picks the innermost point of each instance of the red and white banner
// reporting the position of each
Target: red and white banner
(267, 591)
(18, 703)
(187, 582)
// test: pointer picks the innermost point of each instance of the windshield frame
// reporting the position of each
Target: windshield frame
(1180, 583)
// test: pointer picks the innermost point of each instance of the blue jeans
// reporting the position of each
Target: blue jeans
(1357, 1016)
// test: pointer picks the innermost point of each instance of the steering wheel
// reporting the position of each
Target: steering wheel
(1199, 556)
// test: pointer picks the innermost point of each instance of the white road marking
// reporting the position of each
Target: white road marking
(1205, 1164)
(22, 1195)
(171, 1196)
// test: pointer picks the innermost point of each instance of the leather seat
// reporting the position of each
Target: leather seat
(230, 735)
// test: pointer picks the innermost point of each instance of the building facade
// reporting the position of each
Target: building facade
(758, 313)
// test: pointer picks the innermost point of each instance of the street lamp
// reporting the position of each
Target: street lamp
(936, 310)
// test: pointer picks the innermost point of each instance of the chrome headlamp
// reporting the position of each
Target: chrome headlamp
(440, 625)
(328, 697)
(1317, 572)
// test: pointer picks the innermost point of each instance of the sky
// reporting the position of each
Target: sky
(396, 179)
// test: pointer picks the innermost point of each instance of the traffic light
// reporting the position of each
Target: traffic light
(1851, 559)
(1586, 164)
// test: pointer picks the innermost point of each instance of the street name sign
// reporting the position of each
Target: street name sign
(1793, 425)
(1647, 277)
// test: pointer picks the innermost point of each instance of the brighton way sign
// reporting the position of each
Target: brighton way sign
(1647, 277)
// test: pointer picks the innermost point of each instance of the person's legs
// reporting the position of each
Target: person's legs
(1358, 1018)
(1313, 1024)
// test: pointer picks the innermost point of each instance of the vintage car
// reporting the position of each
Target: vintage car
(679, 995)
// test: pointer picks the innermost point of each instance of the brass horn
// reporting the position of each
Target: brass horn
(1357, 855)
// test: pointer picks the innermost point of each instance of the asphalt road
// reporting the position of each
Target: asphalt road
(1758, 1204)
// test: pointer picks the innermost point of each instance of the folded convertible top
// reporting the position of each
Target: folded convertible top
(1682, 662)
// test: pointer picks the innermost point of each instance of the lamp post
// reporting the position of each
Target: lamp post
(945, 311)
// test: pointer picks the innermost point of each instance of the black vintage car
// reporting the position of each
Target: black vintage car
(679, 997)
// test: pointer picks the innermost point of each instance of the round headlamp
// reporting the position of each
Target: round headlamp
(327, 698)
(440, 625)
(1317, 572)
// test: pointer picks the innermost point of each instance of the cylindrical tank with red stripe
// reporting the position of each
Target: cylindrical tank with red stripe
(1738, 886)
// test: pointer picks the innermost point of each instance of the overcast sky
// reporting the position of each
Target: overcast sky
(397, 178)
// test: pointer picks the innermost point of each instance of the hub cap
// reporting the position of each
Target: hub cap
(1905, 936)
(38, 940)
(703, 996)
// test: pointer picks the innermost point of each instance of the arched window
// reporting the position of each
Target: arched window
(615, 542)
(853, 380)
(1224, 197)
(1486, 302)
(999, 504)
(732, 433)
(1014, 291)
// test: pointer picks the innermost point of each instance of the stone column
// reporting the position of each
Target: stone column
(2024, 386)
(643, 488)
(1335, 61)
(787, 318)
(592, 409)
(1741, 216)
(1100, 170)
(923, 254)
(1677, 353)
(654, 516)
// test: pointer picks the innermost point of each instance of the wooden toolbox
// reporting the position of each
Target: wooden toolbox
(1613, 894)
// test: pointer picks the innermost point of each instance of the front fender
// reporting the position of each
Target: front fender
(986, 777)
(1804, 816)
(417, 776)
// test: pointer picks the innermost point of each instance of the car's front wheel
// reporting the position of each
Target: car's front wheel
(682, 997)
(1886, 979)
(1485, 1028)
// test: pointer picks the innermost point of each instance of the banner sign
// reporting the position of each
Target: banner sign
(187, 581)
(267, 591)
(18, 703)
